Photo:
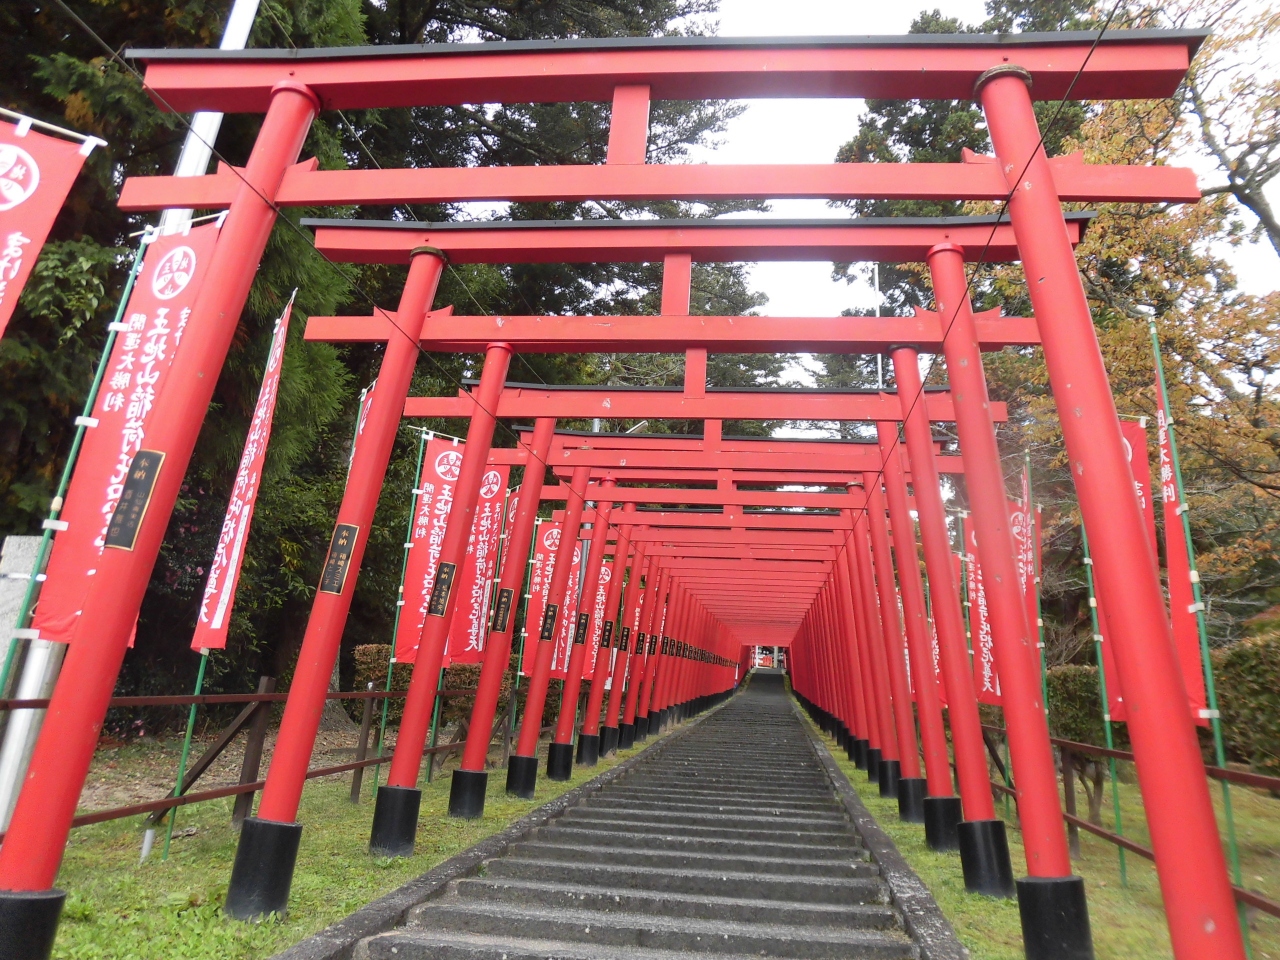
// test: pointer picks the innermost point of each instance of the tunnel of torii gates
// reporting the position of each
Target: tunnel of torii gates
(702, 584)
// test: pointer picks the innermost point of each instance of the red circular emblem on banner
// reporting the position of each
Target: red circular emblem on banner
(19, 176)
(173, 273)
(448, 465)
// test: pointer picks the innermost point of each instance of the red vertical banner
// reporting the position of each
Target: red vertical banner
(146, 340)
(468, 631)
(985, 679)
(441, 461)
(224, 573)
(569, 614)
(597, 622)
(1186, 624)
(366, 402)
(545, 541)
(1024, 524)
(1135, 442)
(36, 174)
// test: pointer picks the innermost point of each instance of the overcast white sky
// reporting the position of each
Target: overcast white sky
(810, 131)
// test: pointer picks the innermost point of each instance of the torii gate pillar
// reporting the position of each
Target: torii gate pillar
(1184, 834)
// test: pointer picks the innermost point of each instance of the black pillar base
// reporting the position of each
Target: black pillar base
(911, 792)
(941, 822)
(842, 736)
(588, 749)
(522, 776)
(984, 857)
(890, 774)
(642, 728)
(608, 741)
(263, 870)
(466, 793)
(873, 764)
(1055, 918)
(626, 736)
(560, 761)
(29, 923)
(859, 757)
(395, 821)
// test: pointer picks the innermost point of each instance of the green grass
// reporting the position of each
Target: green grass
(120, 909)
(1128, 921)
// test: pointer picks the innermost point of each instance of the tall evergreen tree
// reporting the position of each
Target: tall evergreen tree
(53, 70)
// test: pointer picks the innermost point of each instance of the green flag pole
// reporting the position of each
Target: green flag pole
(186, 752)
(1206, 664)
(1106, 709)
(22, 623)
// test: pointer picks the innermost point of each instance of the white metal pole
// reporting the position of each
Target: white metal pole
(197, 149)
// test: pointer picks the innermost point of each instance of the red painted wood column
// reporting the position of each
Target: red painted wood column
(33, 848)
(629, 730)
(395, 813)
(253, 889)
(522, 769)
(592, 741)
(933, 736)
(560, 751)
(944, 594)
(850, 669)
(1017, 659)
(621, 662)
(911, 786)
(656, 619)
(470, 780)
(862, 583)
(1184, 832)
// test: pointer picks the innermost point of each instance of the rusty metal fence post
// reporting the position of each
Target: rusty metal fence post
(362, 747)
(253, 751)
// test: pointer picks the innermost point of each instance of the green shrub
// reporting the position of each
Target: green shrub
(1075, 706)
(371, 665)
(1248, 683)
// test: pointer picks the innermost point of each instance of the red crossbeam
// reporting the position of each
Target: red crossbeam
(638, 404)
(674, 334)
(980, 179)
(889, 240)
(1125, 64)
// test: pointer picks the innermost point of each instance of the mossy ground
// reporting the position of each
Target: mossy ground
(1128, 920)
(120, 909)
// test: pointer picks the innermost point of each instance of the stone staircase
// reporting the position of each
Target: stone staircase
(728, 843)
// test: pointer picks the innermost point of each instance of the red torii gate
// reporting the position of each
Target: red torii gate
(986, 858)
(292, 87)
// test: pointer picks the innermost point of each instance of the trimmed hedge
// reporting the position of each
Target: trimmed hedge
(1248, 684)
(1248, 678)
(371, 665)
(1075, 706)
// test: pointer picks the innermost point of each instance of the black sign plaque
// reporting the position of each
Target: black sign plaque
(626, 635)
(502, 610)
(549, 622)
(441, 589)
(606, 635)
(580, 631)
(341, 547)
(127, 518)
(653, 645)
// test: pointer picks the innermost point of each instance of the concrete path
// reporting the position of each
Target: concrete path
(730, 843)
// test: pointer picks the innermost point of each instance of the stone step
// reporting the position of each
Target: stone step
(863, 887)
(567, 836)
(416, 945)
(605, 931)
(733, 806)
(781, 834)
(810, 823)
(748, 860)
(561, 896)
